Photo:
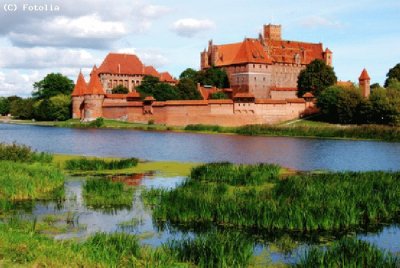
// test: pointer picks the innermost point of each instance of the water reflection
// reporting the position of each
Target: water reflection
(302, 154)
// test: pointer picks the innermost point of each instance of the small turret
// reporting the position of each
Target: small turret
(94, 97)
(328, 57)
(78, 97)
(365, 82)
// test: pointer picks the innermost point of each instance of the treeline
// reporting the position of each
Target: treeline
(50, 101)
(347, 106)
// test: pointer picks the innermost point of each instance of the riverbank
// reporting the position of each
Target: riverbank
(303, 128)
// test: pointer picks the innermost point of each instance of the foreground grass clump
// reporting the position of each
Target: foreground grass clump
(22, 181)
(103, 193)
(22, 153)
(375, 132)
(21, 246)
(236, 174)
(86, 164)
(214, 249)
(348, 200)
(349, 252)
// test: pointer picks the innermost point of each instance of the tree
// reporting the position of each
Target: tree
(57, 108)
(147, 86)
(348, 107)
(394, 73)
(120, 89)
(327, 103)
(394, 84)
(4, 106)
(316, 77)
(218, 96)
(375, 85)
(22, 108)
(52, 85)
(188, 90)
(164, 92)
(214, 77)
(189, 73)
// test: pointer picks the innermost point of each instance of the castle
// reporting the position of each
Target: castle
(266, 67)
(262, 73)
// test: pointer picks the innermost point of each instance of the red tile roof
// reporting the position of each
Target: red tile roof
(149, 70)
(80, 86)
(269, 101)
(248, 51)
(299, 100)
(149, 98)
(133, 94)
(116, 96)
(116, 63)
(207, 92)
(186, 102)
(243, 95)
(364, 75)
(94, 87)
(284, 51)
(221, 101)
(166, 77)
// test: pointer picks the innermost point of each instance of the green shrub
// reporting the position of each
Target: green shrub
(99, 122)
(85, 164)
(22, 153)
(200, 127)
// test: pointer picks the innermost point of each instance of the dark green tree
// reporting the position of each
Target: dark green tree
(189, 73)
(394, 73)
(52, 85)
(120, 89)
(327, 103)
(215, 77)
(164, 92)
(348, 107)
(147, 86)
(188, 90)
(219, 96)
(22, 108)
(4, 106)
(316, 77)
(375, 85)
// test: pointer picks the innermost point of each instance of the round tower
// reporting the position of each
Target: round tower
(78, 97)
(94, 97)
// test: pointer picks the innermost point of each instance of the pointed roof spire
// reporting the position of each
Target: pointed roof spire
(80, 86)
(327, 50)
(364, 75)
(95, 87)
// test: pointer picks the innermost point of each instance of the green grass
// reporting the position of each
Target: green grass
(22, 181)
(103, 193)
(213, 249)
(349, 252)
(22, 246)
(236, 174)
(86, 164)
(348, 200)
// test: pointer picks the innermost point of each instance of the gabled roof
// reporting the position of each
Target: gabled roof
(116, 63)
(149, 70)
(248, 51)
(80, 86)
(364, 75)
(166, 77)
(284, 51)
(308, 95)
(94, 87)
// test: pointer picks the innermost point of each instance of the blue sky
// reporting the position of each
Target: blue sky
(170, 34)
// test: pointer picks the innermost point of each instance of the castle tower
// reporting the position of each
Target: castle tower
(364, 82)
(273, 32)
(328, 57)
(78, 97)
(94, 97)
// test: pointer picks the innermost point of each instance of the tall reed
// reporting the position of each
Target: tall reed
(22, 153)
(86, 164)
(348, 252)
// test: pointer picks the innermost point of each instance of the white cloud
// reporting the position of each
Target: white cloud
(16, 83)
(44, 57)
(154, 11)
(189, 27)
(151, 57)
(318, 21)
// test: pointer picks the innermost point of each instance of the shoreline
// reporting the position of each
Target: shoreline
(300, 128)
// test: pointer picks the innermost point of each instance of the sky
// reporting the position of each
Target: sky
(38, 37)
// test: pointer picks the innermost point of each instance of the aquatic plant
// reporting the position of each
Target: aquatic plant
(22, 153)
(213, 249)
(86, 164)
(308, 202)
(232, 174)
(103, 193)
(348, 252)
(22, 181)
